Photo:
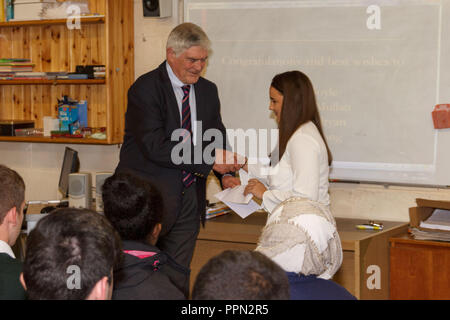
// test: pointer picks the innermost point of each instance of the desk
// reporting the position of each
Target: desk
(361, 249)
(419, 269)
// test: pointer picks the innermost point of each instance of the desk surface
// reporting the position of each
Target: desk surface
(408, 239)
(362, 248)
(233, 228)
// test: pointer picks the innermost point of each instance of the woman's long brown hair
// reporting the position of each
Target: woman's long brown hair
(299, 107)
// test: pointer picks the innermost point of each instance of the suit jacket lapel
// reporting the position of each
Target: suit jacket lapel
(200, 102)
(172, 104)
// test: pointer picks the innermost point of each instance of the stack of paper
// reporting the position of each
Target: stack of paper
(439, 220)
(235, 199)
(430, 235)
(436, 227)
(218, 209)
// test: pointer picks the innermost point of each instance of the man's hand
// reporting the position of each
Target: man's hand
(226, 161)
(230, 182)
(256, 188)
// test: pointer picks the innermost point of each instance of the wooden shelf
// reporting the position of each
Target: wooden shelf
(89, 20)
(54, 140)
(106, 38)
(51, 82)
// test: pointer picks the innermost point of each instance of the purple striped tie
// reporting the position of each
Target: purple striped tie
(188, 178)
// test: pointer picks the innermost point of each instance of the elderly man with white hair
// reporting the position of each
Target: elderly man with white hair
(175, 98)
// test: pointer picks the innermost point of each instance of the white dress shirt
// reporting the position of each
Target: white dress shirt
(302, 171)
(5, 248)
(177, 86)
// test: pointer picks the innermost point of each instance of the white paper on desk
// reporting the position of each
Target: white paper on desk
(242, 209)
(440, 219)
(244, 176)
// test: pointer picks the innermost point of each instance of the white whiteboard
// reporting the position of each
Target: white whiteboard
(375, 88)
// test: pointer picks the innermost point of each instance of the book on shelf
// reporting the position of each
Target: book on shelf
(6, 74)
(93, 71)
(9, 9)
(56, 75)
(41, 75)
(15, 69)
(16, 65)
(72, 76)
(100, 75)
(14, 60)
(2, 11)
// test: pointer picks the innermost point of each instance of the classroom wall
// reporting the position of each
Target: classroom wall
(39, 164)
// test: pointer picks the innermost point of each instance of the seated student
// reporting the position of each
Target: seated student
(241, 275)
(135, 208)
(301, 237)
(70, 255)
(12, 195)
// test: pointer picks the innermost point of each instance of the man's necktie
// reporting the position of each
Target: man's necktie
(188, 178)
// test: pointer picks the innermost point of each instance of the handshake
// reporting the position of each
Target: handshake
(228, 161)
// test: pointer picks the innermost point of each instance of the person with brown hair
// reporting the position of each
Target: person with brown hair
(300, 166)
(12, 203)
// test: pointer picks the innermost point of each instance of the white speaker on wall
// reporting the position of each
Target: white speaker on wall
(80, 190)
(100, 178)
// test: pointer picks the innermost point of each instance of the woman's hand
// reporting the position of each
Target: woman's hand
(230, 182)
(256, 188)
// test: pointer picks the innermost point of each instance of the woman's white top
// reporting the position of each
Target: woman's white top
(302, 171)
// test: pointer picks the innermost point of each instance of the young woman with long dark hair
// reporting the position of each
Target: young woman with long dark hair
(303, 153)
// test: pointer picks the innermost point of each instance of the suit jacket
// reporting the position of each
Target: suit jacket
(10, 287)
(151, 118)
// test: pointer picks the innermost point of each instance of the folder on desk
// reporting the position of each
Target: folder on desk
(430, 220)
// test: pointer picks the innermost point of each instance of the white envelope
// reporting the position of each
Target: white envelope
(235, 199)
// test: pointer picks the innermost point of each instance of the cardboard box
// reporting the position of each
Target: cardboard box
(424, 210)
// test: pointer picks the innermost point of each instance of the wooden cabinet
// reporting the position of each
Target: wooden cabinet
(107, 39)
(419, 269)
(365, 267)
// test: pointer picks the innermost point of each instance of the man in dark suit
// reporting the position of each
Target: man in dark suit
(12, 202)
(169, 111)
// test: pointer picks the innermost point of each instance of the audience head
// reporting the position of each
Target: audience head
(70, 255)
(187, 50)
(241, 275)
(301, 237)
(12, 202)
(294, 103)
(133, 206)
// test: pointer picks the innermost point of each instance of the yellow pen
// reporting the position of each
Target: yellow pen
(368, 227)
